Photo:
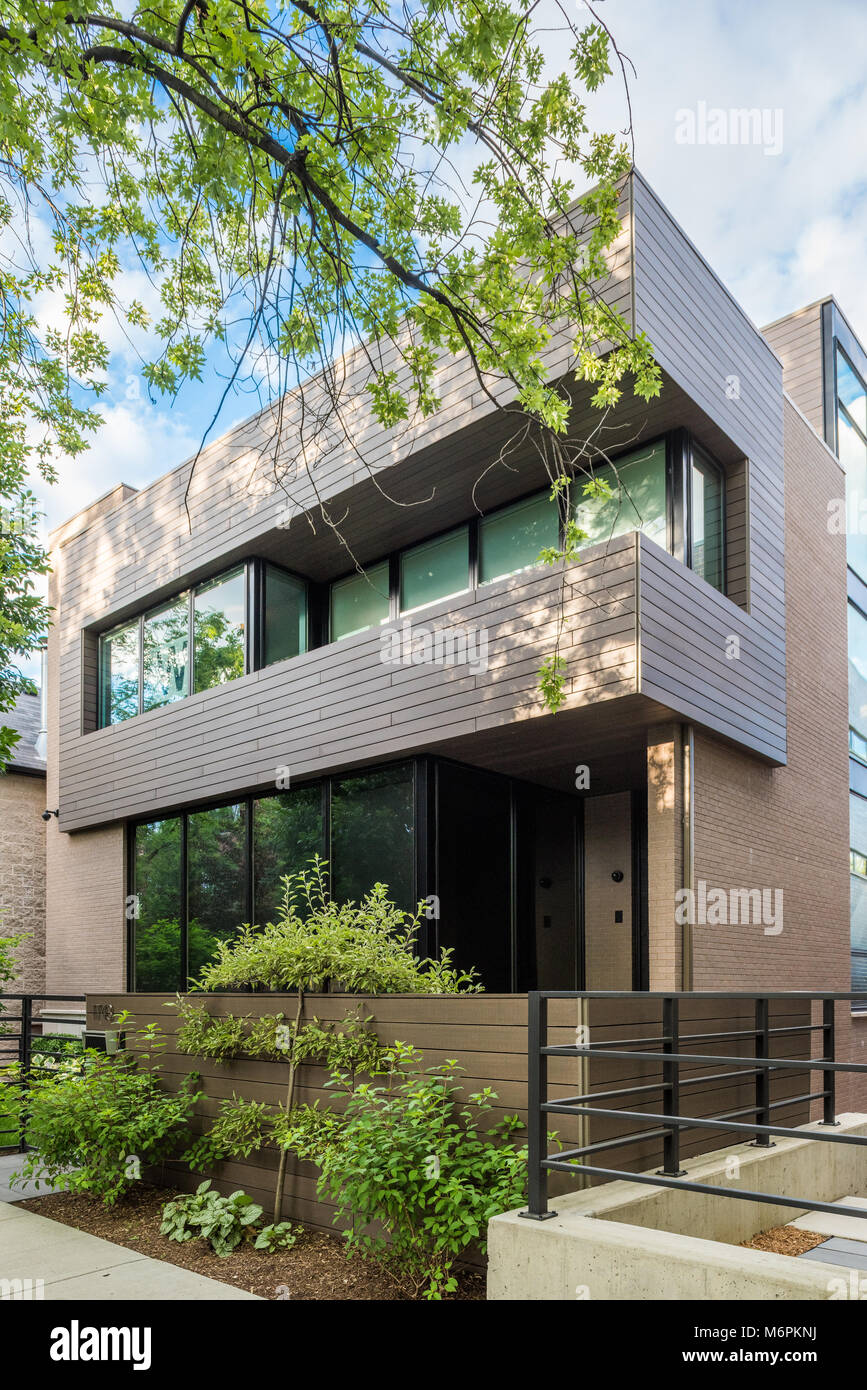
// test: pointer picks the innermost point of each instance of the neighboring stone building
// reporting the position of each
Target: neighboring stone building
(22, 844)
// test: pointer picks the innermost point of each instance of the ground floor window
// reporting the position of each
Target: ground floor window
(498, 863)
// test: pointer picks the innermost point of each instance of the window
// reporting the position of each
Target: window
(857, 681)
(858, 889)
(851, 393)
(166, 634)
(216, 879)
(219, 609)
(853, 456)
(706, 520)
(512, 539)
(372, 835)
(435, 570)
(119, 674)
(285, 616)
(157, 906)
(638, 501)
(287, 833)
(360, 601)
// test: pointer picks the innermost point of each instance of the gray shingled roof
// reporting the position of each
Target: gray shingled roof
(25, 719)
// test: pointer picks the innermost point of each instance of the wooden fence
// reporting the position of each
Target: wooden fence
(487, 1035)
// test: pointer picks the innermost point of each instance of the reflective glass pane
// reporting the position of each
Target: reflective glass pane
(219, 630)
(511, 539)
(216, 879)
(287, 833)
(850, 389)
(166, 654)
(853, 456)
(637, 482)
(360, 601)
(435, 570)
(857, 675)
(158, 894)
(118, 661)
(707, 522)
(373, 835)
(285, 615)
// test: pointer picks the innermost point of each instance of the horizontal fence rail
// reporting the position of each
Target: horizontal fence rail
(669, 1121)
(17, 1046)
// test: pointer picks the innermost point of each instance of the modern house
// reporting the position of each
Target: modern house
(22, 843)
(230, 693)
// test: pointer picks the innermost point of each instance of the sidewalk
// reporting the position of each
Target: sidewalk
(58, 1262)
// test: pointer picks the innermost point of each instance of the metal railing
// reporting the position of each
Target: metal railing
(669, 1122)
(17, 1047)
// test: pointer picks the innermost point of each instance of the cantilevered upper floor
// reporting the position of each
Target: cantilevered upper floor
(213, 627)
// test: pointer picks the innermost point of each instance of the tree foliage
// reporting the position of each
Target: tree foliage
(297, 178)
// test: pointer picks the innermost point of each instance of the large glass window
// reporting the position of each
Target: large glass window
(853, 456)
(285, 619)
(851, 392)
(287, 833)
(216, 879)
(166, 654)
(359, 601)
(638, 500)
(857, 682)
(119, 673)
(436, 570)
(706, 521)
(512, 539)
(219, 609)
(372, 834)
(858, 886)
(157, 906)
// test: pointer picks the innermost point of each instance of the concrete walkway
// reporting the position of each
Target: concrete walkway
(40, 1258)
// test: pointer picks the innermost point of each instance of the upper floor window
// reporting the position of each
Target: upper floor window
(119, 673)
(852, 450)
(706, 534)
(638, 499)
(199, 640)
(360, 601)
(435, 570)
(513, 538)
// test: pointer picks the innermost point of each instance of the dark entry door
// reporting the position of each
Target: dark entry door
(548, 869)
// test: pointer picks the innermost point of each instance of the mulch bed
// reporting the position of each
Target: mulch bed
(315, 1268)
(785, 1240)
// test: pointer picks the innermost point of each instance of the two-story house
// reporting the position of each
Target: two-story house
(230, 693)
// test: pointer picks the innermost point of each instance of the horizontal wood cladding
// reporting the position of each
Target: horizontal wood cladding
(706, 659)
(343, 705)
(487, 1035)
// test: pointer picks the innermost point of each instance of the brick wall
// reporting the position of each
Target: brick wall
(787, 828)
(22, 875)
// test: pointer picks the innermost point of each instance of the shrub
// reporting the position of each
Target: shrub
(95, 1122)
(365, 947)
(280, 1236)
(408, 1157)
(222, 1221)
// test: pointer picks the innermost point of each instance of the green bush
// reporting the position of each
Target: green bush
(365, 947)
(222, 1221)
(409, 1157)
(99, 1119)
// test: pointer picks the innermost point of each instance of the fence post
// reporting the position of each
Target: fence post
(671, 1089)
(763, 1076)
(829, 1078)
(25, 1044)
(537, 1120)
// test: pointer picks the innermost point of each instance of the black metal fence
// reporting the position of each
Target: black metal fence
(669, 1121)
(23, 1035)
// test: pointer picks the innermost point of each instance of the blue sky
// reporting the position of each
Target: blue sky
(783, 221)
